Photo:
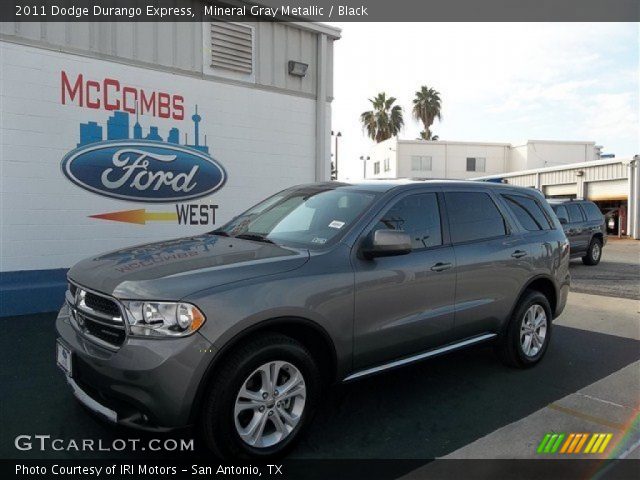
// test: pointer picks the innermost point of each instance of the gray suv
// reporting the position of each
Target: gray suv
(584, 227)
(239, 330)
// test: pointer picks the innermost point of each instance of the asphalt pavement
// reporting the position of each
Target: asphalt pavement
(617, 274)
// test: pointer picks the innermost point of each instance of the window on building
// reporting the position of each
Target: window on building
(376, 168)
(592, 211)
(476, 164)
(417, 215)
(473, 216)
(421, 163)
(387, 165)
(575, 214)
(232, 46)
(528, 212)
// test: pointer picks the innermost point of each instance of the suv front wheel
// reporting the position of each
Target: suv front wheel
(261, 399)
(529, 331)
(594, 252)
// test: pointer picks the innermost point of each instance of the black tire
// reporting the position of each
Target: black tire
(594, 252)
(218, 422)
(509, 347)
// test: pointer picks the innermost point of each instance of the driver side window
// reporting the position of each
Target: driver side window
(417, 215)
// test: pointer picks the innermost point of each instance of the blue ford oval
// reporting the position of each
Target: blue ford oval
(144, 171)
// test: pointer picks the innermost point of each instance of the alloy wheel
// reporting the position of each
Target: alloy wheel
(270, 404)
(533, 330)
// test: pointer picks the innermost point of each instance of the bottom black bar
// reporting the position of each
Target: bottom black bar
(325, 469)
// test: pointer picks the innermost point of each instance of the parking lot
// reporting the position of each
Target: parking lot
(466, 405)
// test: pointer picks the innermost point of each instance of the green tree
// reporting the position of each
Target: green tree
(427, 106)
(385, 120)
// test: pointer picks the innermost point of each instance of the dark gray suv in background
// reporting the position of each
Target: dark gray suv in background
(584, 226)
(238, 331)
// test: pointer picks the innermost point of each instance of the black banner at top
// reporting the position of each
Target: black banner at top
(320, 10)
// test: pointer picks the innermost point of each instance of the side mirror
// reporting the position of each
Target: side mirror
(388, 243)
(563, 221)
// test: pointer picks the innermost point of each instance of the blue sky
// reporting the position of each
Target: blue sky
(504, 82)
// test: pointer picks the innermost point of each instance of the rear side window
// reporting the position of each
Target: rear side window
(592, 211)
(419, 216)
(561, 212)
(528, 212)
(473, 216)
(575, 214)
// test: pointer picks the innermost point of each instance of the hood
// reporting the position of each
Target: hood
(170, 270)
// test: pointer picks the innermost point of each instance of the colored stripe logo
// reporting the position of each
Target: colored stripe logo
(573, 443)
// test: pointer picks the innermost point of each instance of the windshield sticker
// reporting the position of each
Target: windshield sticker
(336, 224)
(319, 240)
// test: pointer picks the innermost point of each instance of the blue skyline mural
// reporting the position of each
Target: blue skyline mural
(118, 129)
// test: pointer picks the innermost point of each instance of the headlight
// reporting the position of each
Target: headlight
(163, 319)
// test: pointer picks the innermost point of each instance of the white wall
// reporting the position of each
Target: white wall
(542, 154)
(380, 151)
(517, 158)
(448, 159)
(265, 141)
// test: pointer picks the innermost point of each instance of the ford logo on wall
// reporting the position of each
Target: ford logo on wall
(144, 171)
(139, 165)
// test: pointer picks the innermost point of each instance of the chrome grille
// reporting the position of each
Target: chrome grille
(96, 316)
(102, 305)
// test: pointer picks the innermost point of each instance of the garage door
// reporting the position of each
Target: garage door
(565, 190)
(607, 190)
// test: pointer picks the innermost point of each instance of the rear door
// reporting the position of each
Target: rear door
(594, 223)
(576, 230)
(492, 258)
(405, 304)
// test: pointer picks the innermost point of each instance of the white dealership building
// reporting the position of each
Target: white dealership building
(560, 169)
(114, 134)
(397, 158)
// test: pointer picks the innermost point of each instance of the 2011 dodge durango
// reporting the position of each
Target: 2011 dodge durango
(238, 331)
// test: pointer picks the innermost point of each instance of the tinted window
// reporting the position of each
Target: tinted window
(528, 212)
(473, 216)
(575, 215)
(561, 212)
(592, 211)
(417, 215)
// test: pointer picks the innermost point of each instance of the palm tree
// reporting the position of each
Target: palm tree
(426, 108)
(385, 120)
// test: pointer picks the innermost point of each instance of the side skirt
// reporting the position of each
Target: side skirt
(421, 356)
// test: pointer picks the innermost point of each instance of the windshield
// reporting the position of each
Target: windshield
(306, 218)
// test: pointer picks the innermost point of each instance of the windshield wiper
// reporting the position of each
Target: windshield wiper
(255, 237)
(221, 233)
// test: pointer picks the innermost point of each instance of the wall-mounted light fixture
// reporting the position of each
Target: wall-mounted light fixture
(298, 69)
(579, 173)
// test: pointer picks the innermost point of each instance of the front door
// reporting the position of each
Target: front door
(405, 304)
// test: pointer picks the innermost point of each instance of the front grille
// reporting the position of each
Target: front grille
(110, 334)
(102, 305)
(97, 317)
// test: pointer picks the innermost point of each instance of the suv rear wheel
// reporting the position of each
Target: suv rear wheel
(261, 399)
(528, 333)
(594, 252)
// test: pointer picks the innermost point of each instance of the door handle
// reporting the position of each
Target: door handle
(519, 254)
(439, 267)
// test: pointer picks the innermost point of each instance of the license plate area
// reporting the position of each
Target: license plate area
(64, 358)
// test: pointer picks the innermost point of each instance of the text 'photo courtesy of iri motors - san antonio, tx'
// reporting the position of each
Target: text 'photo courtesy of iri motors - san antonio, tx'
(126, 160)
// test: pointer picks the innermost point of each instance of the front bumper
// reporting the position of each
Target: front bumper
(149, 384)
